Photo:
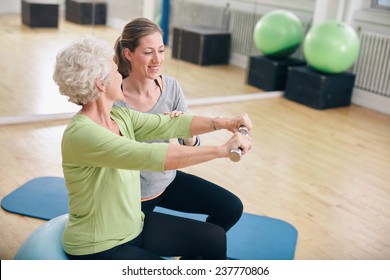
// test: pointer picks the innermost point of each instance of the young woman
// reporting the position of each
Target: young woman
(139, 53)
(103, 150)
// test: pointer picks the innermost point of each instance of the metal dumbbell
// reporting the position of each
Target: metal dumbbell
(235, 154)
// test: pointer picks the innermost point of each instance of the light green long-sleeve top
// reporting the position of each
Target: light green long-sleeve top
(101, 173)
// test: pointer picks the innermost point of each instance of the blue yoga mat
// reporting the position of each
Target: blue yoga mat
(43, 198)
(254, 237)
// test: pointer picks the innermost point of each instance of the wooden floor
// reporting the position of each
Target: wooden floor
(325, 172)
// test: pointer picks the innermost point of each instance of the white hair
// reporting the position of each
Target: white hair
(79, 65)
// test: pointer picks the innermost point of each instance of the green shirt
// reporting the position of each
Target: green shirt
(101, 171)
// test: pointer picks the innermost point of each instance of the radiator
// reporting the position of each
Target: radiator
(372, 68)
(191, 13)
(242, 25)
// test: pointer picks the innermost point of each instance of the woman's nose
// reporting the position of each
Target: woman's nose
(157, 57)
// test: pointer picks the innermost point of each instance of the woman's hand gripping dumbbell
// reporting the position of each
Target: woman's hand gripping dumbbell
(235, 154)
(240, 143)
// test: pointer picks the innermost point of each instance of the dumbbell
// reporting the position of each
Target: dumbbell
(235, 154)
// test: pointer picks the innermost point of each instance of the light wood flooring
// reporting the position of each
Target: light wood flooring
(325, 172)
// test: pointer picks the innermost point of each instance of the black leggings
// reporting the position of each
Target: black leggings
(170, 236)
(192, 194)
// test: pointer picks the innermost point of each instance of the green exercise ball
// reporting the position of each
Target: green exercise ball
(278, 33)
(331, 47)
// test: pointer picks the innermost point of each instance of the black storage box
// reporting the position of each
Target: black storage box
(319, 90)
(270, 73)
(86, 12)
(201, 45)
(40, 13)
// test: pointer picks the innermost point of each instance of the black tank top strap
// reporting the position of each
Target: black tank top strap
(158, 83)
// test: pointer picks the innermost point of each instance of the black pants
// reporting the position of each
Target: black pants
(166, 235)
(192, 194)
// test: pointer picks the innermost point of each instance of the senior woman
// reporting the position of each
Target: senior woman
(103, 151)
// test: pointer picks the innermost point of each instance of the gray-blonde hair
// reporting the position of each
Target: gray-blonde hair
(79, 65)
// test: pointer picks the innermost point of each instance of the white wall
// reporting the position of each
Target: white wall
(375, 21)
(10, 6)
(121, 12)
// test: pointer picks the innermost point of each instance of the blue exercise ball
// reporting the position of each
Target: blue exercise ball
(278, 33)
(45, 243)
(331, 47)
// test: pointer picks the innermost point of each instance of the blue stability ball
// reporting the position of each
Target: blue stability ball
(331, 47)
(45, 243)
(278, 33)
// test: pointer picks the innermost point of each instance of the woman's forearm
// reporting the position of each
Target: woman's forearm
(183, 156)
(201, 125)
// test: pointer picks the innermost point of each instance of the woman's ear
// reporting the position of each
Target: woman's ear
(100, 85)
(128, 54)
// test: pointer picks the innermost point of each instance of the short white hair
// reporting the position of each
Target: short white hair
(79, 65)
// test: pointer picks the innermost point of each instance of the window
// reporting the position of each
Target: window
(381, 4)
